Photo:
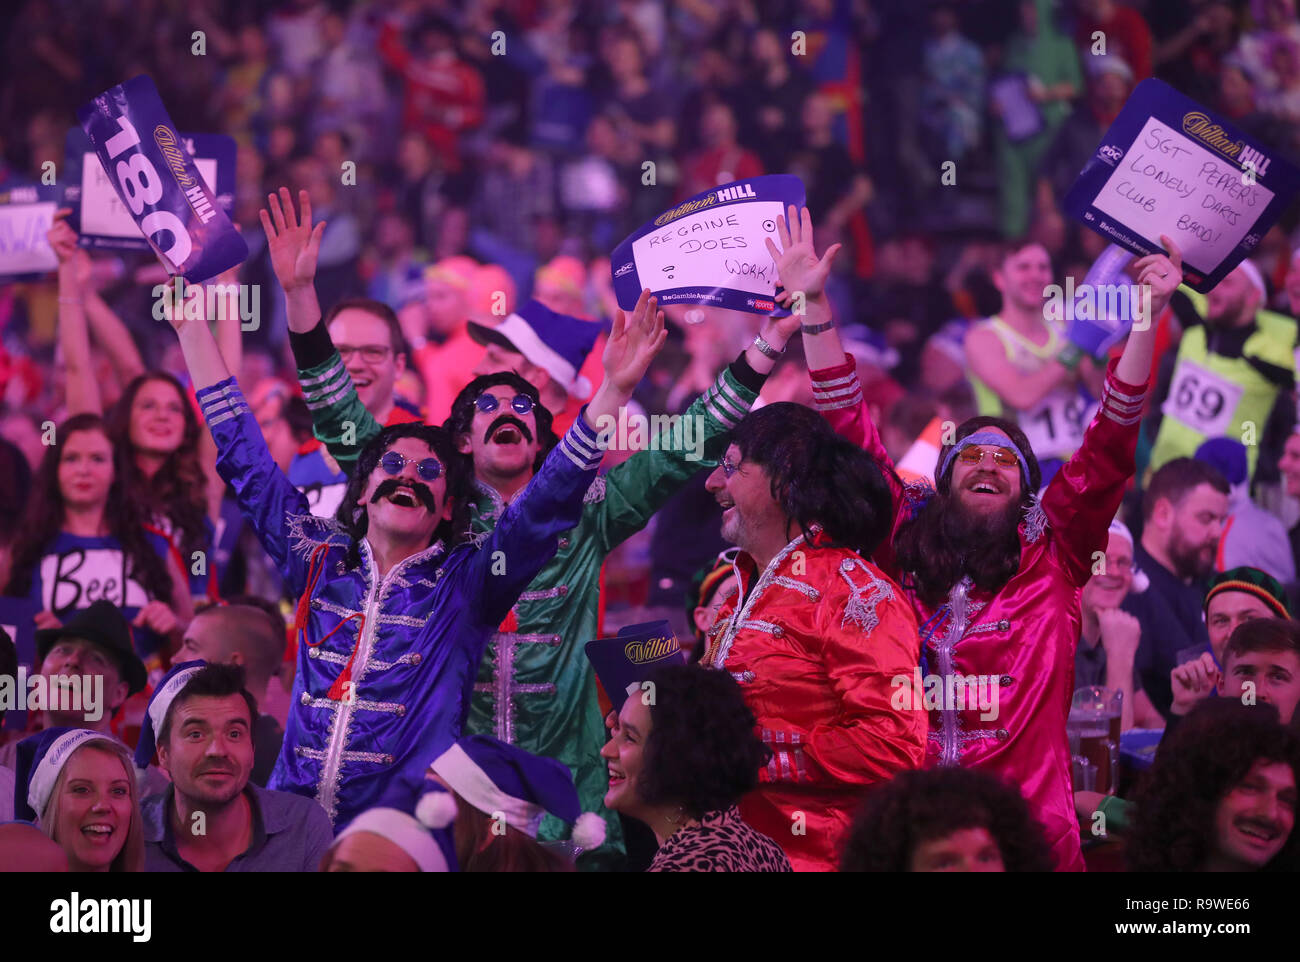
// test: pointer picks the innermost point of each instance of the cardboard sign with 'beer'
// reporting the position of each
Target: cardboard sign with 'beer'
(1168, 165)
(709, 248)
(147, 163)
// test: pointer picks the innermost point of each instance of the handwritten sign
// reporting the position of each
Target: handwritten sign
(150, 167)
(79, 577)
(1169, 166)
(710, 248)
(25, 216)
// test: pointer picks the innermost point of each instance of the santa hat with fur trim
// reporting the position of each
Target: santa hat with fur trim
(495, 777)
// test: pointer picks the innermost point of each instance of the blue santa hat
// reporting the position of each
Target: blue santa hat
(40, 759)
(159, 702)
(417, 819)
(557, 343)
(495, 777)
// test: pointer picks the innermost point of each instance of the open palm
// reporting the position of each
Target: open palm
(633, 343)
(294, 244)
(797, 264)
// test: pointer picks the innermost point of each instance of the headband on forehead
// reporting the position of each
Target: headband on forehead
(986, 437)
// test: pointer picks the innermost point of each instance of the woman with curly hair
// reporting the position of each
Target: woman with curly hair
(946, 820)
(681, 755)
(1221, 796)
(84, 537)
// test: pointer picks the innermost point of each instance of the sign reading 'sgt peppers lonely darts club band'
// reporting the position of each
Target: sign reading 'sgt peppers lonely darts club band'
(146, 161)
(709, 248)
(1169, 166)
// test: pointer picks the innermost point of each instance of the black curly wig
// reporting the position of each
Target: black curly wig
(701, 753)
(922, 806)
(463, 409)
(457, 468)
(1199, 763)
(817, 476)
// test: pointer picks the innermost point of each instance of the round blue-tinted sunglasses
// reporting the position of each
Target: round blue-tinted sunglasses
(429, 469)
(487, 403)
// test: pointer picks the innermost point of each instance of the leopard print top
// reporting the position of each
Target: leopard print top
(722, 842)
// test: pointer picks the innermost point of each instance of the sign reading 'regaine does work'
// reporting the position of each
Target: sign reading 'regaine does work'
(1169, 166)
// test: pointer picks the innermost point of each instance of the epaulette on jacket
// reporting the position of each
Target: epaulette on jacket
(308, 532)
(865, 596)
(595, 493)
(1035, 522)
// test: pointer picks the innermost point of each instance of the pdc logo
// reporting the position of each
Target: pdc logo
(623, 270)
(1110, 153)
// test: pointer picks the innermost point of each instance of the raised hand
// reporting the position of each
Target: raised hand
(797, 265)
(1191, 682)
(633, 343)
(62, 238)
(157, 617)
(1163, 272)
(294, 244)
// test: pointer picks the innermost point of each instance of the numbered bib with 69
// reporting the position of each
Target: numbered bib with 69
(1204, 401)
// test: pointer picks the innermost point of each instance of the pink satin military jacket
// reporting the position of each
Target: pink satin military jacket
(1019, 643)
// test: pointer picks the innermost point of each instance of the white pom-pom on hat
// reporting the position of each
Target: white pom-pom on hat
(589, 831)
(436, 810)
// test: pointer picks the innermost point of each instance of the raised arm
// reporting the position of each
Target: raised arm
(1083, 498)
(837, 395)
(265, 496)
(74, 336)
(339, 419)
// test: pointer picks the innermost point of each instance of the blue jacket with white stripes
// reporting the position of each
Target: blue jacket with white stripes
(414, 637)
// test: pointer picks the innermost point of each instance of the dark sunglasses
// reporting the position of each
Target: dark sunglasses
(487, 403)
(430, 469)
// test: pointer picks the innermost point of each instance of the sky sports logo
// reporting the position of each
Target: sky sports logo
(78, 916)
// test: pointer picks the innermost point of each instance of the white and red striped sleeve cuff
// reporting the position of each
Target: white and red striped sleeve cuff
(836, 387)
(1120, 401)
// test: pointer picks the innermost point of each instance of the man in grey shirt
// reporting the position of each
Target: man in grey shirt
(212, 819)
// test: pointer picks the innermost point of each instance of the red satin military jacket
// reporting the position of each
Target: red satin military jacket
(1020, 641)
(815, 642)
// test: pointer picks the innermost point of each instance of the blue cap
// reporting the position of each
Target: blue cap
(624, 660)
(557, 343)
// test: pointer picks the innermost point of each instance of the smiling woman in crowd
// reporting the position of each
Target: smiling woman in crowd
(82, 510)
(681, 755)
(79, 788)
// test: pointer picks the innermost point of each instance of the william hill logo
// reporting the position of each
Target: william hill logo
(1211, 134)
(652, 649)
(725, 195)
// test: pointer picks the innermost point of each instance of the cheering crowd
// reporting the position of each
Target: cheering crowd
(323, 583)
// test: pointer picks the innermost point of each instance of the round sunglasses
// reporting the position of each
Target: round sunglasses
(429, 469)
(1002, 457)
(487, 403)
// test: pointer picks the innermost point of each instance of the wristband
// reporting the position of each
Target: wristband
(1070, 355)
(816, 328)
(766, 349)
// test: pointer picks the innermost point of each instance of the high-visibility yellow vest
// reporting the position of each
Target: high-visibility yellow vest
(1215, 396)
